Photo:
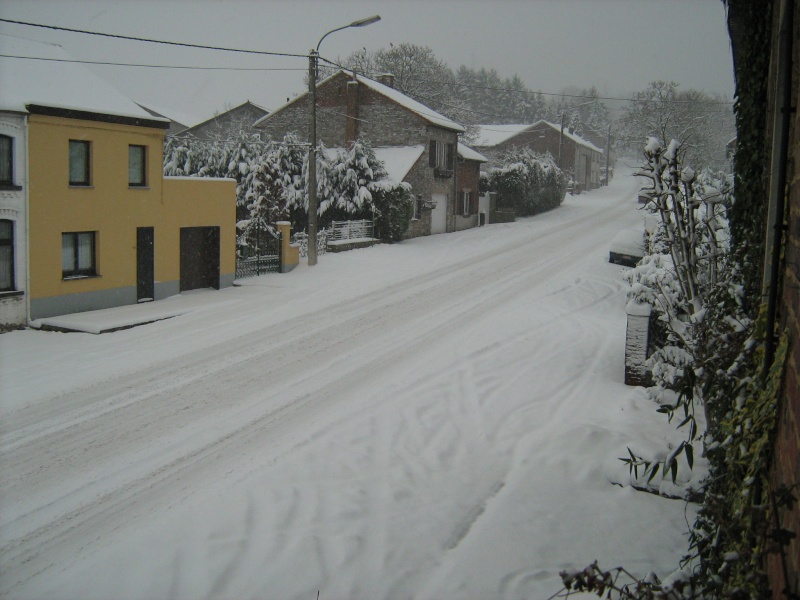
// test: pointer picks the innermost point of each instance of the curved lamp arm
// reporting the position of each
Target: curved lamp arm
(358, 23)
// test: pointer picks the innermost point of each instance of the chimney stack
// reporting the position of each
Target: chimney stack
(386, 79)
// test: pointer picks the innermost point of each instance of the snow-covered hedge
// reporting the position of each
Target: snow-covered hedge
(529, 183)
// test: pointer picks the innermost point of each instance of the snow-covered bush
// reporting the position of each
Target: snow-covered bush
(528, 182)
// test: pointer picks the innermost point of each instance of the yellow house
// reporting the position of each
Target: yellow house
(104, 227)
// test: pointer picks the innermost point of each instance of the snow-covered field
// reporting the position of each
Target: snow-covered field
(440, 418)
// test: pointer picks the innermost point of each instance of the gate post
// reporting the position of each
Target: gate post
(637, 342)
(289, 255)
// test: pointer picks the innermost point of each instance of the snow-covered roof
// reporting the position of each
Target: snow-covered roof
(397, 160)
(396, 96)
(168, 113)
(53, 81)
(572, 136)
(493, 135)
(468, 153)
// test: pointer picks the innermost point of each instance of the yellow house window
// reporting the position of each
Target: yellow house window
(79, 162)
(78, 254)
(137, 163)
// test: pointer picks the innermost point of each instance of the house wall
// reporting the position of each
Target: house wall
(468, 177)
(13, 304)
(786, 458)
(382, 122)
(546, 139)
(113, 210)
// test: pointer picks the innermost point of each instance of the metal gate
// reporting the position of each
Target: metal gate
(258, 250)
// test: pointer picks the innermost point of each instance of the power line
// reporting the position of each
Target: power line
(151, 41)
(455, 83)
(147, 66)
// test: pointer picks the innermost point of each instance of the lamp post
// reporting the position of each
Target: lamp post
(313, 59)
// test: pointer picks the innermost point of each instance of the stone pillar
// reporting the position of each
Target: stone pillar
(637, 340)
(290, 255)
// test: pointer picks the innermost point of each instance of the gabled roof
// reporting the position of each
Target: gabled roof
(468, 153)
(392, 94)
(242, 106)
(494, 135)
(52, 81)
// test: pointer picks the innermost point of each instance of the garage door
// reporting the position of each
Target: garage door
(199, 258)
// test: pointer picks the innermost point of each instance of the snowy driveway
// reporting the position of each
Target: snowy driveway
(435, 419)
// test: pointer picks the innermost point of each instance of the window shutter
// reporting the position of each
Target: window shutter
(449, 157)
(432, 154)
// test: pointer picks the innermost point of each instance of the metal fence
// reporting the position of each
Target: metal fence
(258, 250)
(351, 230)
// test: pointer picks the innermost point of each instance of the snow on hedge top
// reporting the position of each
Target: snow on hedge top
(51, 80)
(493, 135)
(392, 94)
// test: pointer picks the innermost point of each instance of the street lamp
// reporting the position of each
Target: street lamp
(313, 58)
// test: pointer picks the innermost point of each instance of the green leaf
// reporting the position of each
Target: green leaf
(689, 451)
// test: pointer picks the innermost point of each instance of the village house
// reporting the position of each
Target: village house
(580, 158)
(351, 107)
(228, 124)
(87, 220)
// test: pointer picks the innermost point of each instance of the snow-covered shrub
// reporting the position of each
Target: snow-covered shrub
(393, 210)
(528, 182)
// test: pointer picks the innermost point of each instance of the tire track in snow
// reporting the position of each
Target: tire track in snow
(148, 409)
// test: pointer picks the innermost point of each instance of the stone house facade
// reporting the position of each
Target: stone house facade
(580, 158)
(351, 107)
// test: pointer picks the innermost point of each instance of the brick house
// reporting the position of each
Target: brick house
(228, 123)
(351, 107)
(468, 174)
(780, 119)
(580, 158)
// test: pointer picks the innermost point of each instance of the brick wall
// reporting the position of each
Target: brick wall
(786, 459)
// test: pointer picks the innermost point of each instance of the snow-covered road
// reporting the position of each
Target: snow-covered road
(435, 419)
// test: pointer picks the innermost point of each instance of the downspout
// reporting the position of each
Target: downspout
(778, 170)
(27, 184)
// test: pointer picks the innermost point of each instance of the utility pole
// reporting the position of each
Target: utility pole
(608, 154)
(312, 158)
(313, 61)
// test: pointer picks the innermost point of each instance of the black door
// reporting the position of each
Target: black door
(199, 258)
(145, 264)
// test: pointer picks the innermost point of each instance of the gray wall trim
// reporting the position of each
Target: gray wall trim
(72, 303)
(226, 280)
(165, 289)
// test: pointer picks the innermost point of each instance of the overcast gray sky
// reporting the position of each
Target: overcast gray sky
(619, 46)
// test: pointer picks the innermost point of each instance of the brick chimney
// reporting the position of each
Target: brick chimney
(386, 79)
(351, 124)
